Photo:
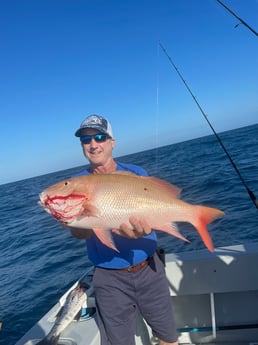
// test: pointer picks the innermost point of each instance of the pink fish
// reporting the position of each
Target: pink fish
(103, 202)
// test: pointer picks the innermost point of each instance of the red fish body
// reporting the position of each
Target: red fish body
(103, 202)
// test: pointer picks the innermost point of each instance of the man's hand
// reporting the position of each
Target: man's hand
(140, 228)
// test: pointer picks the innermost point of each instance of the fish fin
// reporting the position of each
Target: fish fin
(172, 229)
(105, 237)
(204, 216)
(174, 190)
(60, 311)
(89, 210)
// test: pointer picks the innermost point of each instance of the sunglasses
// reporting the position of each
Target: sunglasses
(99, 138)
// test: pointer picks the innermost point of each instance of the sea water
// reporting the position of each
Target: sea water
(39, 259)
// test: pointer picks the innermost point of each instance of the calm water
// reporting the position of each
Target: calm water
(39, 260)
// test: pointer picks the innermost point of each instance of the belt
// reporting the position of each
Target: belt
(135, 268)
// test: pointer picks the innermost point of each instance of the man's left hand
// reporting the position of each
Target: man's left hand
(140, 228)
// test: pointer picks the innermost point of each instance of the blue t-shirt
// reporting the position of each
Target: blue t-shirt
(131, 251)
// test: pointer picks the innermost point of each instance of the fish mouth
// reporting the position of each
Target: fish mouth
(64, 208)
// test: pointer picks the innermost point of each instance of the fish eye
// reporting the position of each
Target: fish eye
(66, 183)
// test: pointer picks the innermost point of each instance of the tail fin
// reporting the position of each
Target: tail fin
(204, 216)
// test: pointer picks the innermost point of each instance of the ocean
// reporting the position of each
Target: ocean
(39, 259)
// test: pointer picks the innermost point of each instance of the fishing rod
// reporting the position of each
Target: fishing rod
(235, 15)
(250, 193)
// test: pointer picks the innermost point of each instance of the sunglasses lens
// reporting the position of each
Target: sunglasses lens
(86, 139)
(99, 138)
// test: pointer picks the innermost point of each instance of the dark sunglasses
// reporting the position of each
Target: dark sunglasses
(99, 138)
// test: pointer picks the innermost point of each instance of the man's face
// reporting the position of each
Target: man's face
(97, 153)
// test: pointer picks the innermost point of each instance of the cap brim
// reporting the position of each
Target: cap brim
(80, 131)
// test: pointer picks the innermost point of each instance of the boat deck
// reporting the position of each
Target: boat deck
(215, 297)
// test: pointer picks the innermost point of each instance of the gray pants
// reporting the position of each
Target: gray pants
(117, 295)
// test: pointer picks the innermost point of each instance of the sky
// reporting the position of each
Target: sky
(62, 60)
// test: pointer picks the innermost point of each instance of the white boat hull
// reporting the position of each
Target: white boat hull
(215, 297)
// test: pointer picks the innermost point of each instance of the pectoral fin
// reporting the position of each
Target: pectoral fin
(89, 210)
(105, 237)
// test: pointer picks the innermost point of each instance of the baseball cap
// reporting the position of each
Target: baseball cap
(96, 122)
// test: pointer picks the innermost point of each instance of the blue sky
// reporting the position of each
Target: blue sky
(62, 60)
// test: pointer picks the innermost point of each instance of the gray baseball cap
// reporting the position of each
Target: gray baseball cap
(96, 122)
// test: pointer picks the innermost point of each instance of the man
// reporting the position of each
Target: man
(134, 276)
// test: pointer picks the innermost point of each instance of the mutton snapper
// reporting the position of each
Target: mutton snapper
(103, 202)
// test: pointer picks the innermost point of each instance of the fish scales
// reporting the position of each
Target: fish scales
(104, 201)
(117, 202)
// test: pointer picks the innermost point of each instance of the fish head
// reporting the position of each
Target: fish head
(65, 200)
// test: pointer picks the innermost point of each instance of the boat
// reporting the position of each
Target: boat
(215, 298)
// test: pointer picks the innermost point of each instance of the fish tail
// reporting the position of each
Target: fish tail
(204, 216)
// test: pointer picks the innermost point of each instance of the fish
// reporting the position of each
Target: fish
(70, 311)
(102, 202)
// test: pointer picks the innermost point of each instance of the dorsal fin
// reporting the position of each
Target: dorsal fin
(174, 190)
